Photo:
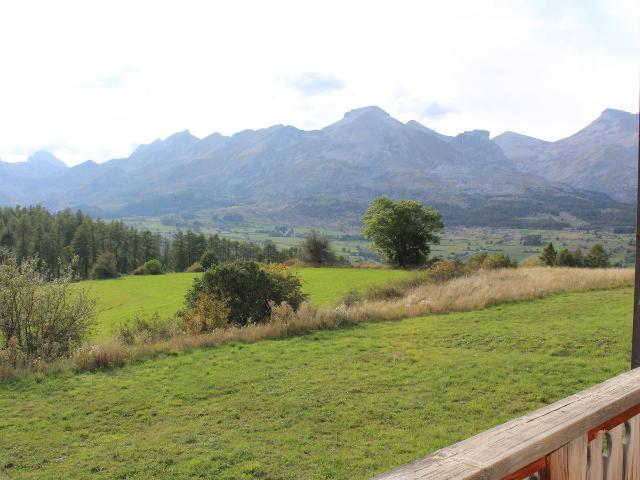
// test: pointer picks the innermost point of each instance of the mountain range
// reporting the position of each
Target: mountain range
(329, 175)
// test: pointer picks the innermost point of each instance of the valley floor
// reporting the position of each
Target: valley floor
(336, 404)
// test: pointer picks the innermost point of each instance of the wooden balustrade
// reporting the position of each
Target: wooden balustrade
(593, 435)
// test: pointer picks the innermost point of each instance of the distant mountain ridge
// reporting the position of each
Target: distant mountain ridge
(601, 157)
(331, 174)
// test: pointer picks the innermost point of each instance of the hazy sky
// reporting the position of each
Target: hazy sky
(92, 79)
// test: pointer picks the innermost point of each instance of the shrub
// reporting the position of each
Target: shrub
(208, 260)
(281, 312)
(532, 262)
(38, 318)
(444, 270)
(316, 250)
(152, 267)
(207, 314)
(351, 298)
(142, 330)
(195, 267)
(247, 287)
(101, 356)
(105, 267)
(485, 261)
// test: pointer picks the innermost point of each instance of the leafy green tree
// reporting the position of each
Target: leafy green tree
(246, 288)
(597, 257)
(316, 249)
(403, 230)
(549, 255)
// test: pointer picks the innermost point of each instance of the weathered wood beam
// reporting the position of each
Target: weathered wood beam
(507, 448)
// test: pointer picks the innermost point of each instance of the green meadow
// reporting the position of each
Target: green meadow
(121, 298)
(348, 403)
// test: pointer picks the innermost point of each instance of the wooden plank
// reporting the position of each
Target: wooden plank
(570, 461)
(596, 464)
(531, 469)
(507, 448)
(559, 464)
(614, 460)
(632, 450)
(615, 421)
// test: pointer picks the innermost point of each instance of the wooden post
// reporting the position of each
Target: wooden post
(635, 345)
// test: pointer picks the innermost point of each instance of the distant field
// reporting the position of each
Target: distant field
(121, 298)
(336, 404)
(456, 241)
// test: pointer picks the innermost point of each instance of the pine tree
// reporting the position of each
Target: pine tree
(597, 257)
(548, 255)
(81, 245)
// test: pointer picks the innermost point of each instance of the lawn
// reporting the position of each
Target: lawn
(121, 298)
(335, 404)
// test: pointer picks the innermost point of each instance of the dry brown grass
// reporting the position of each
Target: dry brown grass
(489, 287)
(479, 290)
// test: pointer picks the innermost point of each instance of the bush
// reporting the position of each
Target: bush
(485, 261)
(101, 356)
(105, 267)
(143, 330)
(195, 267)
(207, 314)
(316, 250)
(532, 262)
(444, 270)
(152, 267)
(208, 260)
(38, 318)
(247, 287)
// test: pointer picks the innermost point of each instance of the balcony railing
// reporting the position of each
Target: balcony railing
(592, 435)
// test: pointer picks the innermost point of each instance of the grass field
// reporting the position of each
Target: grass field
(121, 298)
(337, 404)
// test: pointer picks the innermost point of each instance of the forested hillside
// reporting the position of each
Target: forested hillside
(75, 239)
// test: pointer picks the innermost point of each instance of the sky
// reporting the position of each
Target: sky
(94, 79)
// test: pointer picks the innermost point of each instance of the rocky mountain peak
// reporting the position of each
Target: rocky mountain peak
(42, 158)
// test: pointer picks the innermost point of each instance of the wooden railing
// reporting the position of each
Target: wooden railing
(593, 435)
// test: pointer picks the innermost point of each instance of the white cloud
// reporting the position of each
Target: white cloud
(96, 78)
(312, 83)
